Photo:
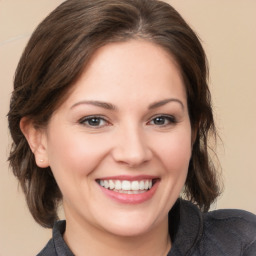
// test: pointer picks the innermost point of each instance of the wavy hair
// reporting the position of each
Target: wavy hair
(57, 54)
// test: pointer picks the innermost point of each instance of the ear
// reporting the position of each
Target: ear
(36, 138)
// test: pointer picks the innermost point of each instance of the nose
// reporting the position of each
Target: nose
(131, 147)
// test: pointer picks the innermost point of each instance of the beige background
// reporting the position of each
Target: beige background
(228, 31)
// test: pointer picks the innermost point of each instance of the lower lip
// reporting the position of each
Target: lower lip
(130, 198)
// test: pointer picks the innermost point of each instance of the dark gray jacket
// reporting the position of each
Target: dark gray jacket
(216, 233)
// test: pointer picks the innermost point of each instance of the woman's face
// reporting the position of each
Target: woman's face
(120, 145)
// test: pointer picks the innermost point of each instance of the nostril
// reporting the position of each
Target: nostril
(131, 159)
(132, 155)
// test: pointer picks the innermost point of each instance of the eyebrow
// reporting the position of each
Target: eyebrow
(96, 103)
(163, 102)
(110, 106)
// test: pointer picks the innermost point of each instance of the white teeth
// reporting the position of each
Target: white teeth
(135, 185)
(126, 186)
(141, 185)
(111, 184)
(118, 185)
(146, 184)
(105, 183)
(130, 191)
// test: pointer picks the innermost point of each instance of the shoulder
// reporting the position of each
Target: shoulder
(232, 220)
(233, 230)
(220, 232)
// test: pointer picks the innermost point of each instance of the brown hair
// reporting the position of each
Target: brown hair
(55, 57)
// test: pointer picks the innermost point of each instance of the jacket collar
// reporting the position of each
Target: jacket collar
(185, 228)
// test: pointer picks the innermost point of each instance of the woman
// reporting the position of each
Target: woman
(110, 116)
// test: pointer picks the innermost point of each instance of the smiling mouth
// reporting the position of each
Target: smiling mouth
(126, 186)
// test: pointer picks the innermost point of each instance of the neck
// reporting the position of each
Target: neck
(94, 241)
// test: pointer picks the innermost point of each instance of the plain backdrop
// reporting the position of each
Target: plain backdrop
(228, 32)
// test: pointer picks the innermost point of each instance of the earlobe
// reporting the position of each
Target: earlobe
(36, 139)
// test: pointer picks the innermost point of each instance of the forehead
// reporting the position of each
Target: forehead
(131, 55)
(129, 70)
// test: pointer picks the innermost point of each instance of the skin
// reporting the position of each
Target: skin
(127, 140)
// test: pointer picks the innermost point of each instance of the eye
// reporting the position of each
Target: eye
(93, 121)
(163, 120)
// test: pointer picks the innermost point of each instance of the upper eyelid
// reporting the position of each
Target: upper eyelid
(93, 116)
(172, 119)
(86, 118)
(163, 115)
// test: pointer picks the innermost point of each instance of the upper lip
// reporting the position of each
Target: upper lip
(129, 177)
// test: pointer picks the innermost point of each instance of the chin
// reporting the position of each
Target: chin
(130, 230)
(132, 225)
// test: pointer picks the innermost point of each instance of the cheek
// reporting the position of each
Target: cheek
(175, 150)
(71, 153)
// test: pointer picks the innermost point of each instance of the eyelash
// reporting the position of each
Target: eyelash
(99, 119)
(170, 120)
(86, 121)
